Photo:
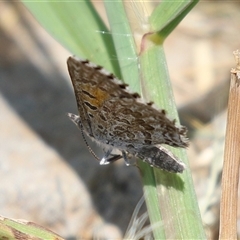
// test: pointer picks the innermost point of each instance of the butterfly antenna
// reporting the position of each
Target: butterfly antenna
(89, 148)
(77, 121)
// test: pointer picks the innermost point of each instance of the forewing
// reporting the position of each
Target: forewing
(112, 114)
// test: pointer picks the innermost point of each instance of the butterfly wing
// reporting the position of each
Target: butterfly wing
(111, 114)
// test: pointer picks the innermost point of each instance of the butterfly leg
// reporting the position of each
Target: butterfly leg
(76, 119)
(108, 157)
(124, 155)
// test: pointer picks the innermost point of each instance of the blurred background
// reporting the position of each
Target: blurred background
(47, 174)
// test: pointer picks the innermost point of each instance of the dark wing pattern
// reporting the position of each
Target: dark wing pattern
(111, 114)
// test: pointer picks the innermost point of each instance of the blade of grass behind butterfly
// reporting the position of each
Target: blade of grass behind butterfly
(176, 196)
(124, 42)
(177, 200)
(175, 228)
(77, 25)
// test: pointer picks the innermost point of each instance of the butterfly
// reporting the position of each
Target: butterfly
(118, 119)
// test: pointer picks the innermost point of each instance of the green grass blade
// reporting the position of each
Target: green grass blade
(164, 192)
(176, 197)
(124, 42)
(79, 28)
(152, 200)
(18, 229)
(167, 15)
